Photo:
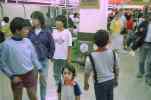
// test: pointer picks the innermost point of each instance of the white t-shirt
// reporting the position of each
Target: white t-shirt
(63, 40)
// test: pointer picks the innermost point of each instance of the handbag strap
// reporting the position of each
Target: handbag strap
(94, 68)
(115, 69)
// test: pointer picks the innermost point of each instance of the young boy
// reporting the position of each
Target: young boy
(68, 88)
(63, 44)
(103, 62)
(18, 57)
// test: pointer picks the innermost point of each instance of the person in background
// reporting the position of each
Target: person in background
(129, 29)
(68, 88)
(122, 15)
(17, 59)
(63, 44)
(116, 28)
(44, 45)
(145, 52)
(76, 21)
(140, 19)
(104, 65)
(5, 27)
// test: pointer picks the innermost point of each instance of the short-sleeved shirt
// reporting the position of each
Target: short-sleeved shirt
(63, 40)
(69, 92)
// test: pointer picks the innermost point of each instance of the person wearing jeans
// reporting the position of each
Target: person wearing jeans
(44, 44)
(104, 64)
(145, 55)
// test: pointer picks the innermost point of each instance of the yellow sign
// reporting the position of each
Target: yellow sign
(89, 4)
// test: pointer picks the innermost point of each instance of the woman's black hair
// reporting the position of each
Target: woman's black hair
(101, 38)
(18, 23)
(63, 19)
(27, 22)
(2, 37)
(39, 15)
(71, 68)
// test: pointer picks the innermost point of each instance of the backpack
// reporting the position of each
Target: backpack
(115, 69)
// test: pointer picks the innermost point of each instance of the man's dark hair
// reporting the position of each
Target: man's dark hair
(101, 38)
(71, 68)
(6, 19)
(18, 23)
(39, 15)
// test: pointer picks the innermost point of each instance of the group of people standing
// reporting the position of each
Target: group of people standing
(25, 54)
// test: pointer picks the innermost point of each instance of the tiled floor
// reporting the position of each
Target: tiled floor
(130, 87)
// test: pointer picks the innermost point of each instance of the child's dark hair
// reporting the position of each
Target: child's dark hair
(71, 68)
(6, 19)
(27, 22)
(39, 15)
(63, 19)
(101, 38)
(2, 37)
(18, 23)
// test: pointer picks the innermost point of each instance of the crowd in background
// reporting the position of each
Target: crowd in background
(131, 29)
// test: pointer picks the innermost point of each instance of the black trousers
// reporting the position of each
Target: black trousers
(104, 91)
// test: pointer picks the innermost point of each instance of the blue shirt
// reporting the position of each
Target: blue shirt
(18, 57)
(2, 68)
(43, 43)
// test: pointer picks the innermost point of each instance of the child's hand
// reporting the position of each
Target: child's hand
(86, 86)
(16, 80)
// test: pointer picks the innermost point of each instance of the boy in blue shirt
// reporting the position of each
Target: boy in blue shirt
(17, 59)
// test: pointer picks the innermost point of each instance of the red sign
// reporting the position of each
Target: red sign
(118, 1)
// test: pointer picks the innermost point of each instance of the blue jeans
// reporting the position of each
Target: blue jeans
(43, 80)
(104, 91)
(145, 60)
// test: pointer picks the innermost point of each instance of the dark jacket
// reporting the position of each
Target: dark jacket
(137, 39)
(44, 44)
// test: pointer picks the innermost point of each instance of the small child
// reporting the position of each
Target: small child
(68, 88)
(103, 62)
(17, 59)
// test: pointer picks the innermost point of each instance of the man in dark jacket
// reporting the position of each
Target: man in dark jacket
(145, 52)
